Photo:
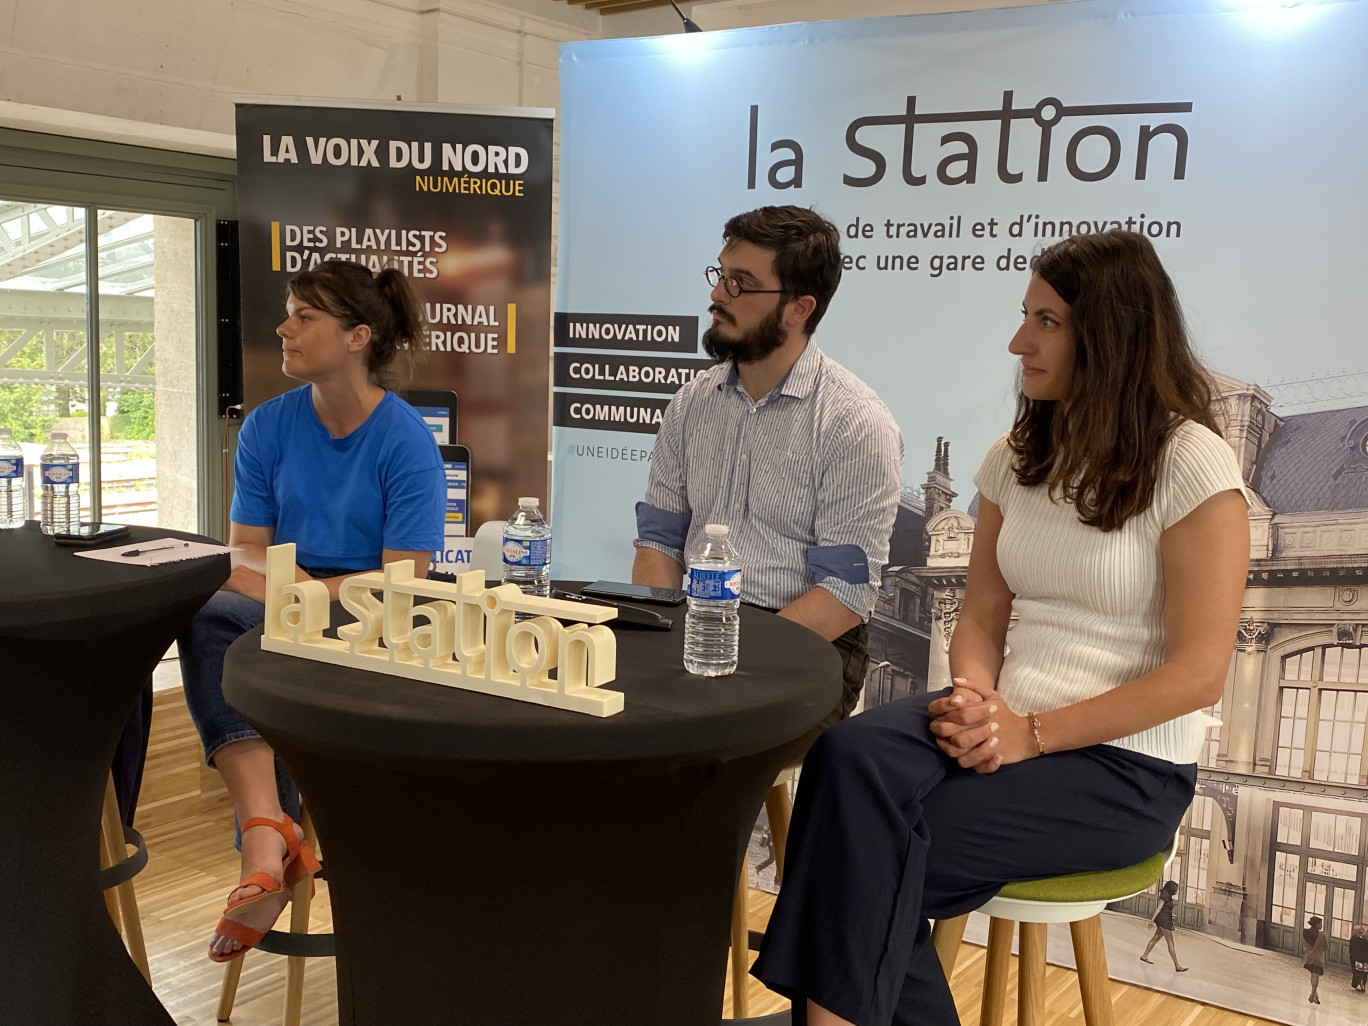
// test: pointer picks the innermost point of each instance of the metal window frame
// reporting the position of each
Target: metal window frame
(1304, 850)
(98, 175)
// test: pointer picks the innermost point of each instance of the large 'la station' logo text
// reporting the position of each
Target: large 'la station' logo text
(1151, 144)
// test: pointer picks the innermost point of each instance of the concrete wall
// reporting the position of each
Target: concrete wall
(173, 325)
(173, 63)
(179, 64)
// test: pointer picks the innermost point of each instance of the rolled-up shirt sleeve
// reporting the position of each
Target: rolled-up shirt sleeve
(663, 518)
(857, 502)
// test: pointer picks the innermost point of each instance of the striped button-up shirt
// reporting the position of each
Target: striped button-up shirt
(807, 478)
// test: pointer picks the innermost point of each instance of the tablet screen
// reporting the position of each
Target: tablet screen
(438, 421)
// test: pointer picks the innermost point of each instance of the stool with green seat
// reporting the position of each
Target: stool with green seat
(1077, 899)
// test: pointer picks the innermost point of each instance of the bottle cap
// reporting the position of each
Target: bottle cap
(528, 502)
(59, 436)
(717, 530)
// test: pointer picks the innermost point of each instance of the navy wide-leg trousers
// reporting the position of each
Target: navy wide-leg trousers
(888, 832)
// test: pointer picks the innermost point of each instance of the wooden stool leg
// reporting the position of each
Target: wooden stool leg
(1091, 955)
(998, 960)
(1031, 975)
(779, 810)
(112, 824)
(740, 949)
(945, 938)
(301, 897)
(228, 990)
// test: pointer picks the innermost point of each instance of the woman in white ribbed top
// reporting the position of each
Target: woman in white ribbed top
(1112, 524)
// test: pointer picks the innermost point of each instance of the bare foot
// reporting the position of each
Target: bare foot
(1146, 960)
(1180, 968)
(263, 851)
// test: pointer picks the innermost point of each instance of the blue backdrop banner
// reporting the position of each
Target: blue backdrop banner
(948, 149)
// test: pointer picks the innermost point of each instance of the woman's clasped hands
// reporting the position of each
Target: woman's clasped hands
(975, 727)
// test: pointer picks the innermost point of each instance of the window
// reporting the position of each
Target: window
(1212, 746)
(1342, 915)
(1339, 747)
(1297, 667)
(1284, 906)
(1322, 714)
(1330, 832)
(143, 274)
(1293, 704)
(1197, 844)
(107, 319)
(1317, 865)
(1344, 665)
(1290, 826)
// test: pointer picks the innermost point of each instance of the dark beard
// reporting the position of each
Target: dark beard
(753, 346)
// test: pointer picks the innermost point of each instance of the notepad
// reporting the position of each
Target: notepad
(154, 551)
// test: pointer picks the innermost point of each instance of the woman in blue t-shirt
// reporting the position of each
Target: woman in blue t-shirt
(347, 471)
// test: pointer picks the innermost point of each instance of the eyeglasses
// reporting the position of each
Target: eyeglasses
(734, 288)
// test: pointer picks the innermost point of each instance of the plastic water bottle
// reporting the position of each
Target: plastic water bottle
(61, 469)
(11, 480)
(712, 626)
(527, 549)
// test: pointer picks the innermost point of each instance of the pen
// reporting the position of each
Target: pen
(159, 548)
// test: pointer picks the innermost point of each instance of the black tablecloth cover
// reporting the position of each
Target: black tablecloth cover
(493, 861)
(78, 639)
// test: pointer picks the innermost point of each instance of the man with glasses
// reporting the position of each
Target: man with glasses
(781, 443)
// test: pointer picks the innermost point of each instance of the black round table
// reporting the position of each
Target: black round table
(78, 640)
(496, 862)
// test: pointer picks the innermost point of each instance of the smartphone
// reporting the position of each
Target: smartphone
(91, 534)
(635, 592)
(628, 615)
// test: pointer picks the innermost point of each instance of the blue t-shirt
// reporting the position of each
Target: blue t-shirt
(340, 500)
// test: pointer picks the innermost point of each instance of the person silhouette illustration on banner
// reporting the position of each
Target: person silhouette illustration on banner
(1164, 926)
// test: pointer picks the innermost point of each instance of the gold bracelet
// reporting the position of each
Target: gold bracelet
(1035, 729)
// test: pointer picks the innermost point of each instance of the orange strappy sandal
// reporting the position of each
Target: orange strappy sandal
(299, 862)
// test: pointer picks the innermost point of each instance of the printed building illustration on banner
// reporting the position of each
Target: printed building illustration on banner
(1278, 831)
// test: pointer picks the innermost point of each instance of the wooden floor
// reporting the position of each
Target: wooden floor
(192, 866)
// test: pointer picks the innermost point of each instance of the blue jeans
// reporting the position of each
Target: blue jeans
(220, 622)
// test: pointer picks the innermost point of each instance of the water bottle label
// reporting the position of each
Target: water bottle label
(61, 473)
(528, 553)
(714, 584)
(11, 467)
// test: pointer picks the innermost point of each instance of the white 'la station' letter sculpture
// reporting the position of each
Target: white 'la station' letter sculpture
(465, 638)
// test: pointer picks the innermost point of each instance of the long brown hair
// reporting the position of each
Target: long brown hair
(385, 302)
(1135, 378)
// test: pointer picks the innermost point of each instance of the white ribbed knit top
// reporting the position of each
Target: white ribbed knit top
(1091, 603)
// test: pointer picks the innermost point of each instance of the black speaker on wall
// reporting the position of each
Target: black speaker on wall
(229, 319)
